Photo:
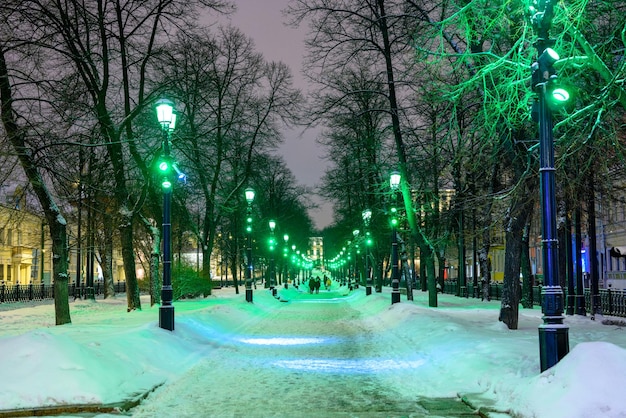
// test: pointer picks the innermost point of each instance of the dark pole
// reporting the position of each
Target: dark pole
(166, 310)
(272, 260)
(368, 275)
(249, 194)
(395, 272)
(367, 216)
(249, 267)
(553, 333)
(395, 279)
(272, 274)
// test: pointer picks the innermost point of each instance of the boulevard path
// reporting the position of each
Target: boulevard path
(315, 355)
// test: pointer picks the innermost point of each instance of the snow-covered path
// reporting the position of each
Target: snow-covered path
(316, 355)
(328, 355)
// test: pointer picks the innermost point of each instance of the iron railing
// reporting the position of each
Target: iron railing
(28, 292)
(612, 302)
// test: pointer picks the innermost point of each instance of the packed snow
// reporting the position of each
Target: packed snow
(238, 357)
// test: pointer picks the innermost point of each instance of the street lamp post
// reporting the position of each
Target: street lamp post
(287, 260)
(343, 256)
(553, 333)
(356, 272)
(295, 256)
(272, 225)
(394, 182)
(167, 119)
(367, 217)
(249, 193)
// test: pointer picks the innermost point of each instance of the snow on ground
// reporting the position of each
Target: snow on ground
(107, 355)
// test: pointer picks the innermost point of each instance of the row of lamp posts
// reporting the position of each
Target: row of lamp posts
(553, 334)
(250, 195)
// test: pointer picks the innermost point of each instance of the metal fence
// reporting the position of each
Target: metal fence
(611, 302)
(27, 292)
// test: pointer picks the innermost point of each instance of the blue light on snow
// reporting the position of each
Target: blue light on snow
(349, 366)
(283, 340)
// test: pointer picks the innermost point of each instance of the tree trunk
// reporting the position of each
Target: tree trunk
(593, 250)
(527, 279)
(56, 221)
(428, 258)
(441, 270)
(485, 270)
(206, 264)
(234, 271)
(580, 294)
(516, 221)
(462, 275)
(59, 270)
(106, 257)
(569, 266)
(378, 268)
(128, 256)
(155, 276)
(405, 269)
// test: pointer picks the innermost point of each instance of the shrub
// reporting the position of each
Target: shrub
(187, 283)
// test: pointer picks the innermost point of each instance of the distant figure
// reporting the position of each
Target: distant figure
(311, 285)
(318, 283)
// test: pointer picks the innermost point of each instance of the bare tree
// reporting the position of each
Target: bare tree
(105, 49)
(16, 135)
(373, 31)
(232, 101)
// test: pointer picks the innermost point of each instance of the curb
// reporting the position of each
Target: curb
(116, 408)
(484, 407)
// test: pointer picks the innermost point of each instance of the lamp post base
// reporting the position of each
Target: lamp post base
(395, 296)
(248, 295)
(553, 344)
(166, 317)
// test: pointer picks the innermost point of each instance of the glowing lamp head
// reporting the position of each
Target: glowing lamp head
(560, 95)
(165, 113)
(249, 193)
(367, 216)
(548, 57)
(394, 180)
